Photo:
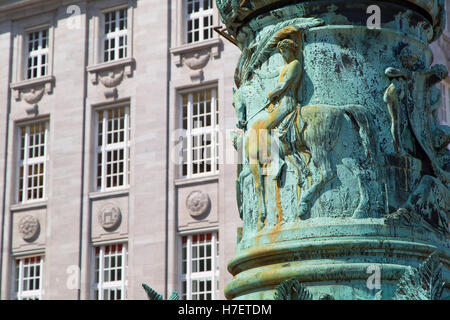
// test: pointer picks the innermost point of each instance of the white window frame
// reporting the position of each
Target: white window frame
(104, 148)
(212, 275)
(101, 285)
(190, 132)
(20, 294)
(116, 34)
(39, 53)
(33, 161)
(200, 15)
(20, 31)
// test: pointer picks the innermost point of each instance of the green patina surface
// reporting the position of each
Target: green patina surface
(353, 172)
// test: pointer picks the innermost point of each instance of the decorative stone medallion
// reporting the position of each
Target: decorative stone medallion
(109, 217)
(29, 227)
(197, 202)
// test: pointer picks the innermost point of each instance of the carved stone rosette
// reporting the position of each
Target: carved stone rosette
(110, 217)
(355, 174)
(197, 203)
(29, 228)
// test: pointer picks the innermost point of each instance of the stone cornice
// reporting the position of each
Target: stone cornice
(211, 45)
(111, 74)
(104, 66)
(126, 64)
(18, 8)
(32, 82)
(100, 195)
(198, 180)
(28, 206)
(38, 87)
(18, 4)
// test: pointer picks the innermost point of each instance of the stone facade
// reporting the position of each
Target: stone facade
(153, 212)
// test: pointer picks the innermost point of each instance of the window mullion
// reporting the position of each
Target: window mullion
(116, 21)
(200, 22)
(39, 41)
(39, 54)
(116, 35)
(116, 44)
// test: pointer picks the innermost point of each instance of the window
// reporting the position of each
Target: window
(444, 110)
(113, 149)
(29, 278)
(110, 272)
(115, 35)
(37, 54)
(199, 20)
(199, 266)
(200, 118)
(32, 161)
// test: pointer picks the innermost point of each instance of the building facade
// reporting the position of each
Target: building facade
(117, 165)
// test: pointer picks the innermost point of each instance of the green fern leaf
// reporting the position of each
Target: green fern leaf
(174, 295)
(292, 289)
(151, 294)
(422, 283)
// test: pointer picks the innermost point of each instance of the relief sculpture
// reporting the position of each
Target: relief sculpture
(284, 141)
(295, 154)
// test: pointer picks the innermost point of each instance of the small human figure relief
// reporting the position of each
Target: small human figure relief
(396, 97)
(393, 96)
